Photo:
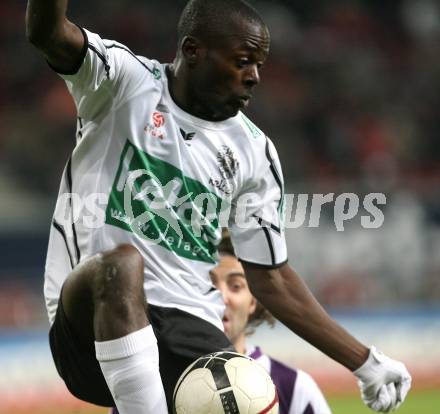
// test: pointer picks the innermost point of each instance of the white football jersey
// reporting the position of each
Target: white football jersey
(147, 173)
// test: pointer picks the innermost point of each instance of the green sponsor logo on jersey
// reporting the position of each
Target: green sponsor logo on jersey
(154, 200)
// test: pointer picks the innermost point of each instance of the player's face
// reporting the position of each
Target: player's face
(225, 79)
(229, 278)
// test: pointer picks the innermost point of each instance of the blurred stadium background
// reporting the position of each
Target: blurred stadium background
(350, 95)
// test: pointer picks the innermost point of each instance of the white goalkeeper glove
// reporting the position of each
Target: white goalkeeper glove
(383, 381)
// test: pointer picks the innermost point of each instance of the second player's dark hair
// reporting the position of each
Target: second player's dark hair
(261, 314)
(208, 17)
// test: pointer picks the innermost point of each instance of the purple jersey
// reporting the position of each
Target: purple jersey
(298, 393)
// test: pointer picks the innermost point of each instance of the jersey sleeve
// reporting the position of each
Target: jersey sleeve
(257, 214)
(109, 73)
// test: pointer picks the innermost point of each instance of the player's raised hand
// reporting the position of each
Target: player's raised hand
(383, 381)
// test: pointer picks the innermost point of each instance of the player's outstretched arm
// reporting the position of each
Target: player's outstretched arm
(48, 29)
(287, 297)
(384, 382)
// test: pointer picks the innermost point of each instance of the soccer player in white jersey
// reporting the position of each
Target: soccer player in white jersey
(298, 393)
(161, 150)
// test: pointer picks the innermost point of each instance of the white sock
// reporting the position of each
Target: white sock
(131, 369)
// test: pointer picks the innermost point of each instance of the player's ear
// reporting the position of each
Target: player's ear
(253, 306)
(191, 49)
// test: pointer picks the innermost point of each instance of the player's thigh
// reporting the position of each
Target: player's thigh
(107, 277)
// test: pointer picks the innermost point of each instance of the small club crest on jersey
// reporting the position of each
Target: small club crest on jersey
(155, 127)
(228, 166)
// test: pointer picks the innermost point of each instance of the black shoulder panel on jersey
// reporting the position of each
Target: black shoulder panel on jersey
(131, 53)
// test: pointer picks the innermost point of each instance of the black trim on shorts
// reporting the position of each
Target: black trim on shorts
(263, 266)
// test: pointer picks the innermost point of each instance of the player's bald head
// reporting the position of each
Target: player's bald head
(222, 46)
(212, 18)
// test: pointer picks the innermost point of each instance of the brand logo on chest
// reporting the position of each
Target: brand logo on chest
(187, 136)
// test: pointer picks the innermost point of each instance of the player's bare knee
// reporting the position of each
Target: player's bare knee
(125, 255)
(121, 275)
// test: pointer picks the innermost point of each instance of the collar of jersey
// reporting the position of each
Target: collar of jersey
(201, 123)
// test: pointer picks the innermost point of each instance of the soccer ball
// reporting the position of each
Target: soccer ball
(225, 383)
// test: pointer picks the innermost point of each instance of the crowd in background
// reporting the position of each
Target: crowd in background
(350, 96)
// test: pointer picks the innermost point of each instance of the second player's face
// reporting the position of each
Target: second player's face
(230, 71)
(229, 278)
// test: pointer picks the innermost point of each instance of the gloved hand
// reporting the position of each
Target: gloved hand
(383, 381)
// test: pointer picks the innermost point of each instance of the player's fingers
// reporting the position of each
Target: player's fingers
(403, 388)
(396, 406)
(376, 403)
(382, 403)
(370, 392)
(393, 395)
(399, 392)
